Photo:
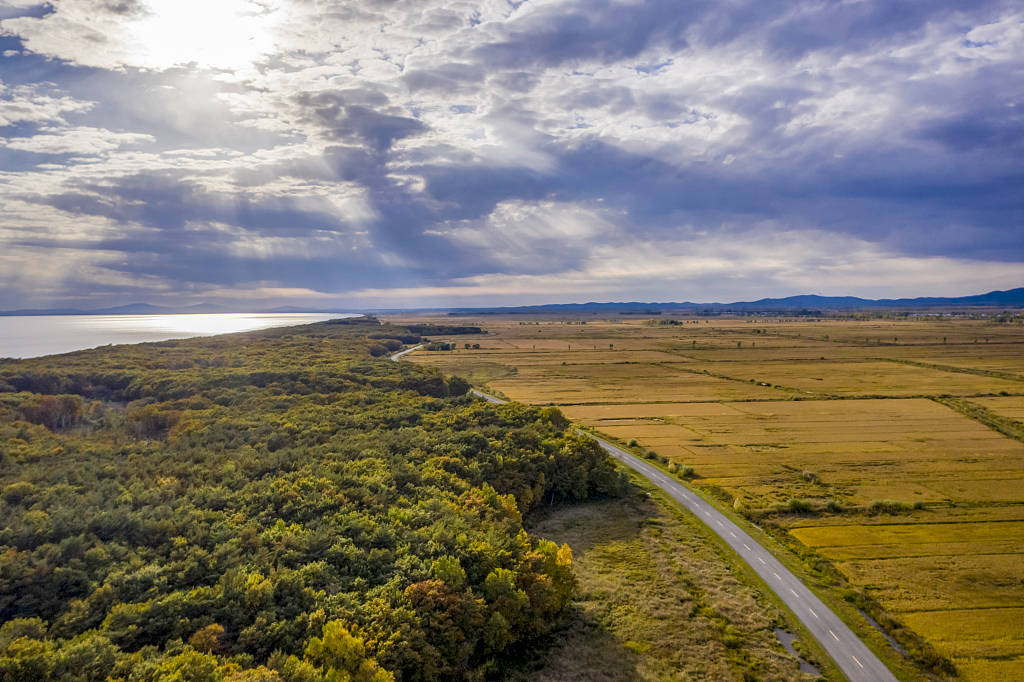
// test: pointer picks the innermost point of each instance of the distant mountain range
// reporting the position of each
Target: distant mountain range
(1014, 298)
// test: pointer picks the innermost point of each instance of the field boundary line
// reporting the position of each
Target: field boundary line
(1011, 428)
(992, 373)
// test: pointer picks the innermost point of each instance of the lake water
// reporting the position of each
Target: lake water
(32, 336)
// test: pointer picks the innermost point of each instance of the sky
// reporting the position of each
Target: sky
(413, 153)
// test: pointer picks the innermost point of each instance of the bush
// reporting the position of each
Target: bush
(888, 507)
(799, 506)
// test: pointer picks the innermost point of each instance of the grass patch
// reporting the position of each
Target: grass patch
(656, 602)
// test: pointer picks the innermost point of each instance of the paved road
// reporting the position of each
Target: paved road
(852, 656)
(846, 649)
(488, 398)
(398, 356)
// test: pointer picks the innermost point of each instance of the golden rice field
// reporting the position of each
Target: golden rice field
(766, 410)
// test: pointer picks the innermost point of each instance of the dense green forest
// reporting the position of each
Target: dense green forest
(278, 505)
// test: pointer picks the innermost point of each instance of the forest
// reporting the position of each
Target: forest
(277, 505)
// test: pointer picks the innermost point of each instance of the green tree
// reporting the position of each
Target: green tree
(342, 657)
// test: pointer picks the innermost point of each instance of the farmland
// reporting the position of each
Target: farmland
(888, 449)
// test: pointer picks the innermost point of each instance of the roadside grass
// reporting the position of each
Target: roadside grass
(657, 601)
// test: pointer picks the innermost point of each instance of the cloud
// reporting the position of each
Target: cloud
(33, 104)
(75, 140)
(749, 265)
(443, 146)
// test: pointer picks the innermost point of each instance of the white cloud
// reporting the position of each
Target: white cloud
(742, 265)
(153, 34)
(75, 140)
(33, 104)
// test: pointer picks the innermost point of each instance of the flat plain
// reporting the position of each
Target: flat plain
(889, 447)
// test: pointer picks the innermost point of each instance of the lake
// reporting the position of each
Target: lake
(35, 335)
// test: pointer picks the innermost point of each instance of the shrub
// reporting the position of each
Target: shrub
(799, 506)
(888, 507)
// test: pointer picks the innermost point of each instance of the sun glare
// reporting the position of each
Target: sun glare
(224, 34)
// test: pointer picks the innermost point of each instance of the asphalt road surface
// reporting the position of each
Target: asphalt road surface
(852, 656)
(398, 356)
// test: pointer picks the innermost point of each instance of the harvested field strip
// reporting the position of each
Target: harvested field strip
(970, 633)
(987, 670)
(959, 370)
(832, 536)
(1008, 427)
(1006, 407)
(830, 378)
(882, 551)
(973, 632)
(726, 377)
(988, 513)
(940, 582)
